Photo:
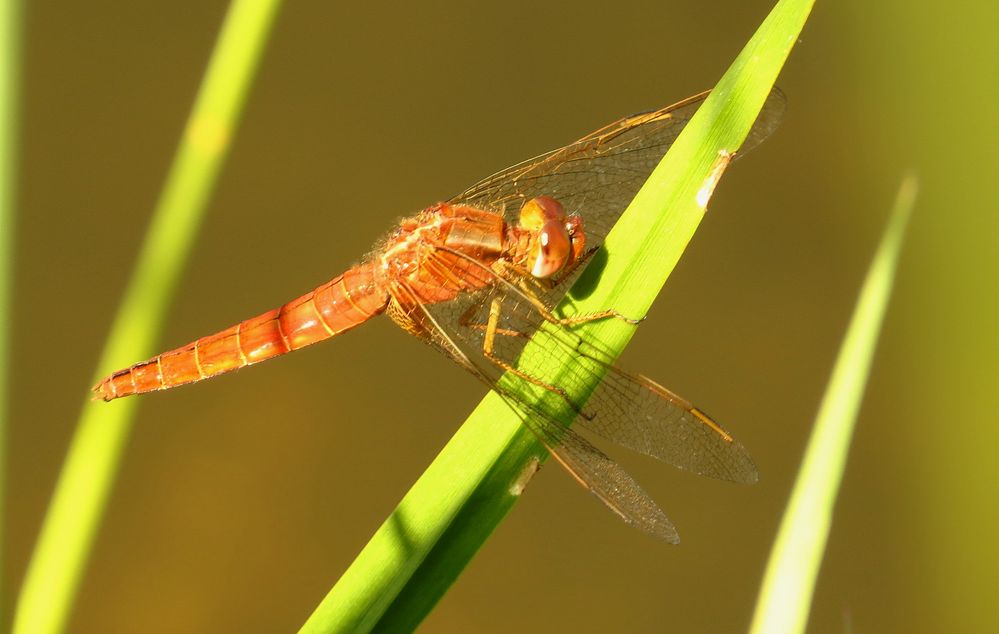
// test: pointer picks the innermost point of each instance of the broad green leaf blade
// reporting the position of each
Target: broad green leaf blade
(786, 595)
(11, 26)
(468, 489)
(81, 494)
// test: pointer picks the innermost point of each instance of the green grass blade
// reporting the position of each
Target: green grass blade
(468, 489)
(786, 595)
(11, 25)
(88, 472)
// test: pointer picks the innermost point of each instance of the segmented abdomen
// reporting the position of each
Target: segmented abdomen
(335, 307)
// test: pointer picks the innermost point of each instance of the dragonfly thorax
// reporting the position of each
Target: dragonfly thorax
(444, 250)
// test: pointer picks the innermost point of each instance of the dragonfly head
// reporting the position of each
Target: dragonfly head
(557, 238)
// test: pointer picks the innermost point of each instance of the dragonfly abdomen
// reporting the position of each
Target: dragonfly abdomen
(342, 303)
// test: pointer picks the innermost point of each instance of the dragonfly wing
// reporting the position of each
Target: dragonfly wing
(592, 468)
(599, 474)
(598, 175)
(632, 411)
(629, 410)
(638, 413)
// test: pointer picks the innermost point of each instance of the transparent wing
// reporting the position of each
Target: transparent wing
(589, 466)
(595, 177)
(598, 474)
(629, 410)
(638, 413)
(598, 175)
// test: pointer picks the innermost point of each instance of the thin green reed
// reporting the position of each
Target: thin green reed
(11, 26)
(77, 506)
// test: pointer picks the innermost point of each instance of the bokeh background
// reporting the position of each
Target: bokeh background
(242, 500)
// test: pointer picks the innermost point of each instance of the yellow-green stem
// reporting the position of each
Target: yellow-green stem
(786, 594)
(11, 24)
(89, 471)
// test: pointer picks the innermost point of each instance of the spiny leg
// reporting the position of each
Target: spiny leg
(466, 321)
(523, 282)
(502, 273)
(492, 329)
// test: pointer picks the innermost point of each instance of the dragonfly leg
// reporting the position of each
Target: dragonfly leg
(466, 320)
(492, 329)
(588, 317)
(519, 280)
(524, 278)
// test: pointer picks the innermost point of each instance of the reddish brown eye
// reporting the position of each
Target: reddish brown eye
(553, 250)
(538, 212)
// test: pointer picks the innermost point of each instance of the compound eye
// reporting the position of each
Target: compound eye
(554, 249)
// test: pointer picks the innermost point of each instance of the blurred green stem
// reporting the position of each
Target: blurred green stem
(81, 494)
(786, 595)
(11, 24)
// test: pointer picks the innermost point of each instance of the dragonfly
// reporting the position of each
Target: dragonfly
(477, 277)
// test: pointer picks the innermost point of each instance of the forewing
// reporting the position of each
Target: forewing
(598, 175)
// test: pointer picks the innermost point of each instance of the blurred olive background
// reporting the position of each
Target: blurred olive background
(243, 499)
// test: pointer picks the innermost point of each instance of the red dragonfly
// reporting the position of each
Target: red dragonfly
(476, 277)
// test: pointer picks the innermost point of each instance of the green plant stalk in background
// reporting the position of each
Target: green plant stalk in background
(81, 494)
(11, 24)
(786, 595)
(420, 550)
